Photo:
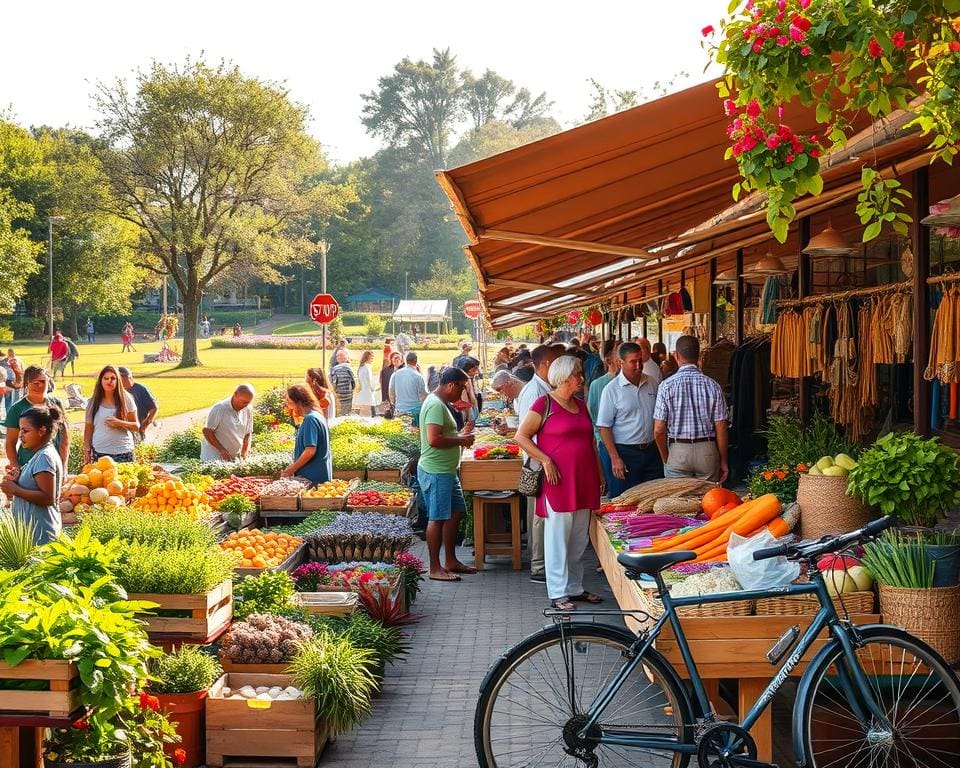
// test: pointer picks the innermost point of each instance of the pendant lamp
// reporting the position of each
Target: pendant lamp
(768, 265)
(727, 277)
(946, 213)
(828, 243)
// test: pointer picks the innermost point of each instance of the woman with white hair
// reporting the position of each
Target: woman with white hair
(572, 479)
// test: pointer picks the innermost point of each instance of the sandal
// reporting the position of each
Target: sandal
(586, 597)
(562, 604)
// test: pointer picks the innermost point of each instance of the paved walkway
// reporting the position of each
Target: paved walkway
(424, 717)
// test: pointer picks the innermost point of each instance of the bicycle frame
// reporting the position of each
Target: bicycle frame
(857, 691)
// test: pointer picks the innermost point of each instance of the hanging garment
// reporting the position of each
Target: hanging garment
(768, 301)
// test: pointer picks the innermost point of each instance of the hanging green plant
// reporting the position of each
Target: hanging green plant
(842, 57)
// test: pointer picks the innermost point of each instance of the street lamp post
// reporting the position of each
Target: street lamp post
(324, 246)
(50, 222)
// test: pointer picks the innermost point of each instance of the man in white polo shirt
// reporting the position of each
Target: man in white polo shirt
(628, 452)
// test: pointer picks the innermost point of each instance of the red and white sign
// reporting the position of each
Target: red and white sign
(324, 308)
(471, 309)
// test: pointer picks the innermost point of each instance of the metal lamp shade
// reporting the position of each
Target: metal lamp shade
(946, 213)
(768, 265)
(828, 243)
(727, 277)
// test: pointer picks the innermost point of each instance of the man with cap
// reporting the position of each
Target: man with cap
(59, 352)
(146, 403)
(465, 349)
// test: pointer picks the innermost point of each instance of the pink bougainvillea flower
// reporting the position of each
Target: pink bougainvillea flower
(797, 34)
(753, 108)
(899, 39)
(774, 141)
(805, 4)
(874, 48)
(783, 40)
(805, 51)
(707, 30)
(781, 4)
(729, 108)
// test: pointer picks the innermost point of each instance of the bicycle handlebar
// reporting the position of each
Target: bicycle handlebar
(811, 549)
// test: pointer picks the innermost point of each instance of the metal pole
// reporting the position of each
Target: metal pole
(920, 239)
(164, 303)
(804, 289)
(323, 289)
(406, 293)
(50, 275)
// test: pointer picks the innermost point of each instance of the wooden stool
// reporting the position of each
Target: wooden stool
(485, 542)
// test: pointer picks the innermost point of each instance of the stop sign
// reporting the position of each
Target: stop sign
(324, 308)
(471, 309)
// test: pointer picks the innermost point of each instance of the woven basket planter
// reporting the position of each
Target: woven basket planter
(856, 603)
(932, 615)
(710, 610)
(825, 508)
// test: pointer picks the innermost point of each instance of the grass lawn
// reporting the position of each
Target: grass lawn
(310, 328)
(180, 391)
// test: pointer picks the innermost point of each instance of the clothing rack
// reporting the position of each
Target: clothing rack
(823, 298)
(951, 277)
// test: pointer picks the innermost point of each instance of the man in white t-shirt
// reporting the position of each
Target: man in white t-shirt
(229, 425)
(651, 367)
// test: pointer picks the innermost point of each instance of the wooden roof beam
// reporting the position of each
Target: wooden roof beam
(559, 242)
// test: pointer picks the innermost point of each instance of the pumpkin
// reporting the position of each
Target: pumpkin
(96, 478)
(99, 495)
(105, 462)
(82, 479)
(716, 498)
(115, 488)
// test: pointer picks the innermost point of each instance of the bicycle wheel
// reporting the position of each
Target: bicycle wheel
(527, 714)
(914, 687)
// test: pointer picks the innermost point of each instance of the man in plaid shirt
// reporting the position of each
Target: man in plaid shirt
(690, 420)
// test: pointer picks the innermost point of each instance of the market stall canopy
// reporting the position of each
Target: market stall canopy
(417, 311)
(571, 219)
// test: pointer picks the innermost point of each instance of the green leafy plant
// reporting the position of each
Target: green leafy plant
(338, 675)
(236, 507)
(148, 569)
(908, 476)
(387, 643)
(181, 445)
(353, 452)
(374, 325)
(16, 541)
(187, 669)
(267, 592)
(789, 444)
(176, 531)
(899, 561)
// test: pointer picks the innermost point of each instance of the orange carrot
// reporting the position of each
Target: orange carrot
(711, 553)
(717, 524)
(779, 528)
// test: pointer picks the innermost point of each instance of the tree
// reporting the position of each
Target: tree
(498, 136)
(608, 101)
(443, 283)
(217, 173)
(419, 104)
(527, 109)
(18, 253)
(484, 98)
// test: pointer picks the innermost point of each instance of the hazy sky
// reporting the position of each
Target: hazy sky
(328, 53)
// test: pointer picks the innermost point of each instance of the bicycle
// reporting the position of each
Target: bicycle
(585, 694)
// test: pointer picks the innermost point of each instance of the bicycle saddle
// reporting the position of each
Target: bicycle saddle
(653, 564)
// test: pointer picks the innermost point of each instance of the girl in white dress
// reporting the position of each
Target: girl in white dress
(365, 398)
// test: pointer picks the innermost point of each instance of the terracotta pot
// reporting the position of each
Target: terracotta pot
(123, 761)
(187, 711)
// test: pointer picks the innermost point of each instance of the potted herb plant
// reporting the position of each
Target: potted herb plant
(180, 681)
(908, 598)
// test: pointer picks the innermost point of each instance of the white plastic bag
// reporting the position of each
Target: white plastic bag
(762, 574)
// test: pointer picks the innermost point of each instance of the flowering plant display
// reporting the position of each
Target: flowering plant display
(412, 570)
(489, 451)
(843, 57)
(782, 481)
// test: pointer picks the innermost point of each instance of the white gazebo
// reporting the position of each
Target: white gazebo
(416, 311)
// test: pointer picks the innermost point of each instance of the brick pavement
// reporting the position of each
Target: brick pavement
(424, 717)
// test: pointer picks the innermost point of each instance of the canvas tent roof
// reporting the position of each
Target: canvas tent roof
(421, 311)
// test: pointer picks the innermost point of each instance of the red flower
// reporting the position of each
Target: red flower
(780, 474)
(802, 467)
(784, 132)
(753, 108)
(729, 108)
(814, 152)
(899, 39)
(805, 4)
(149, 702)
(791, 157)
(758, 45)
(805, 51)
(179, 756)
(707, 30)
(773, 141)
(81, 724)
(874, 48)
(801, 22)
(955, 46)
(783, 40)
(797, 34)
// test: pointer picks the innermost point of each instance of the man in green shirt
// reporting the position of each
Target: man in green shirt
(35, 393)
(612, 362)
(440, 445)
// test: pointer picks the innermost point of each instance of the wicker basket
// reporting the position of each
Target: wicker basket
(825, 508)
(711, 610)
(932, 615)
(856, 603)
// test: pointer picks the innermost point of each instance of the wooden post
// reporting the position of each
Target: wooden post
(660, 315)
(920, 235)
(804, 288)
(738, 295)
(712, 330)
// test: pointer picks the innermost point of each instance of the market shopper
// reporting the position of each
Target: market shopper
(111, 420)
(59, 351)
(650, 366)
(35, 394)
(471, 367)
(35, 487)
(659, 352)
(229, 426)
(625, 418)
(334, 361)
(690, 419)
(147, 405)
(364, 398)
(507, 385)
(440, 445)
(344, 383)
(386, 373)
(320, 387)
(403, 342)
(542, 357)
(72, 354)
(611, 362)
(407, 389)
(465, 349)
(572, 479)
(312, 457)
(16, 386)
(127, 336)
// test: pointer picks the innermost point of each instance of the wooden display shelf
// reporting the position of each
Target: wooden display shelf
(383, 475)
(208, 612)
(732, 647)
(385, 509)
(489, 474)
(61, 677)
(285, 731)
(279, 504)
(349, 474)
(314, 504)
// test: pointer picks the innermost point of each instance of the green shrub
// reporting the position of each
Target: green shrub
(235, 507)
(147, 568)
(6, 334)
(361, 318)
(182, 445)
(267, 592)
(25, 327)
(387, 643)
(186, 669)
(75, 452)
(374, 325)
(176, 531)
(16, 541)
(143, 321)
(245, 317)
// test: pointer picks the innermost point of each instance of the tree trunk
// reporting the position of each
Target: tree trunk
(191, 306)
(71, 322)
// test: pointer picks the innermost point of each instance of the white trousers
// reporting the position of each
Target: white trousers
(565, 537)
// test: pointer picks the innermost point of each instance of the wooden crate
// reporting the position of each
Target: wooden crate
(349, 474)
(308, 504)
(248, 520)
(287, 565)
(208, 612)
(383, 475)
(327, 602)
(61, 677)
(490, 474)
(279, 503)
(288, 732)
(253, 669)
(383, 509)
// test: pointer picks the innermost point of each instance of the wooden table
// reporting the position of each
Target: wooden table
(731, 647)
(21, 738)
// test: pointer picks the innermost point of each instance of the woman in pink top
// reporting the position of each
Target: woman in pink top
(573, 479)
